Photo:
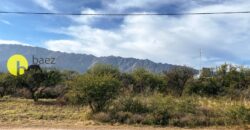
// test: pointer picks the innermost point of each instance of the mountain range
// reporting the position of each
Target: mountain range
(76, 62)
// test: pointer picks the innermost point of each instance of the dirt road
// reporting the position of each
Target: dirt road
(115, 128)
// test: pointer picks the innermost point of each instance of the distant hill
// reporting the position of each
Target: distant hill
(77, 62)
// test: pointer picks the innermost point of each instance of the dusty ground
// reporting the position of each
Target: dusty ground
(109, 127)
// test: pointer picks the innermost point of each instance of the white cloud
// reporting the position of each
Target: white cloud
(71, 46)
(46, 4)
(13, 42)
(175, 40)
(86, 19)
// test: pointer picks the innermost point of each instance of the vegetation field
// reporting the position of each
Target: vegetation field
(47, 114)
(104, 96)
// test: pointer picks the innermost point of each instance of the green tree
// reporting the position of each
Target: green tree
(233, 81)
(204, 87)
(32, 79)
(52, 78)
(227, 80)
(127, 81)
(8, 84)
(94, 90)
(3, 84)
(69, 75)
(103, 69)
(206, 73)
(221, 75)
(177, 78)
(144, 81)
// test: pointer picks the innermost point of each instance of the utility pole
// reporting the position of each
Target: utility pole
(200, 58)
(200, 71)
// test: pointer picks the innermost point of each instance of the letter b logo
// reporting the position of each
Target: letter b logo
(17, 64)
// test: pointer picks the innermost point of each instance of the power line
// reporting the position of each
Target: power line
(124, 14)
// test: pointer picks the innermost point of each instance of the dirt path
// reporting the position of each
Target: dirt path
(86, 128)
(115, 128)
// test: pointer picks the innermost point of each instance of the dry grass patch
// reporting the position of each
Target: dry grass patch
(25, 110)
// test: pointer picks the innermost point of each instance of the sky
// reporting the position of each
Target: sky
(162, 39)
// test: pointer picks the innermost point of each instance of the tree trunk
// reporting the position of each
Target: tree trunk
(34, 97)
(91, 107)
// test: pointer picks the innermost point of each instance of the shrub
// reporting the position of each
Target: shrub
(186, 105)
(129, 104)
(123, 117)
(137, 119)
(7, 84)
(152, 109)
(32, 80)
(177, 78)
(161, 117)
(145, 82)
(102, 117)
(3, 86)
(134, 105)
(52, 78)
(206, 87)
(103, 69)
(127, 82)
(51, 92)
(138, 110)
(190, 121)
(239, 115)
(23, 92)
(68, 75)
(162, 110)
(148, 119)
(96, 91)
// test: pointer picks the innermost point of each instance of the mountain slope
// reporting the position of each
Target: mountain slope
(76, 62)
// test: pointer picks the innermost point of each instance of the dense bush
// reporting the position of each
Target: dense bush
(52, 78)
(177, 78)
(51, 92)
(206, 87)
(145, 82)
(103, 69)
(151, 110)
(40, 82)
(226, 80)
(3, 84)
(129, 104)
(239, 115)
(166, 110)
(35, 83)
(94, 90)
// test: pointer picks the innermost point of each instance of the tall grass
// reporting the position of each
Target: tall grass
(170, 111)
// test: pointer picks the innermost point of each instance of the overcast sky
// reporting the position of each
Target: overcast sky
(165, 39)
